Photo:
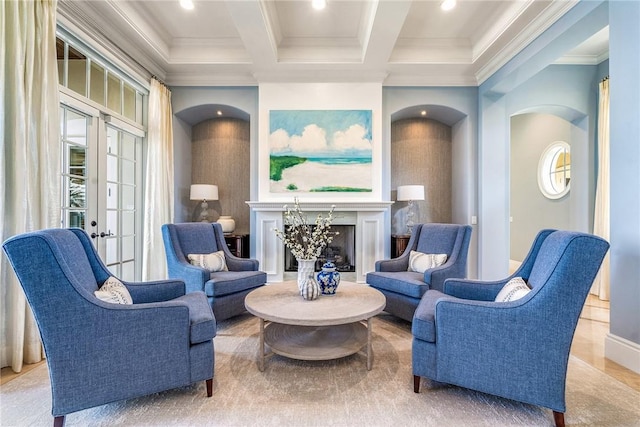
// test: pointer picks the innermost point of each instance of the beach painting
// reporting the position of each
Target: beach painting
(320, 151)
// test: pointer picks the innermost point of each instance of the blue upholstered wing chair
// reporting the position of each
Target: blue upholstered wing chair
(100, 352)
(403, 288)
(225, 290)
(517, 349)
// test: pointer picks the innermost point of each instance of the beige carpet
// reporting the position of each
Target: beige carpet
(334, 393)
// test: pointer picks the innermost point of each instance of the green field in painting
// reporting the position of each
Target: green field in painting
(279, 163)
(341, 189)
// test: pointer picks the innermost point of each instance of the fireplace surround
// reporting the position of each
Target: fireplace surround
(371, 232)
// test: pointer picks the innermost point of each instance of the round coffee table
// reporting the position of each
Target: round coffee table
(330, 327)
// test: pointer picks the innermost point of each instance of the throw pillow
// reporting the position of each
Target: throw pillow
(114, 291)
(213, 262)
(420, 262)
(514, 289)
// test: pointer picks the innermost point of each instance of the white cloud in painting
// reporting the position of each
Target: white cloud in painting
(351, 139)
(279, 140)
(314, 140)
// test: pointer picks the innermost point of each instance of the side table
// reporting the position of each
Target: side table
(399, 243)
(238, 244)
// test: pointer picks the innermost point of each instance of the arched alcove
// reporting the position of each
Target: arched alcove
(220, 154)
(425, 140)
(421, 155)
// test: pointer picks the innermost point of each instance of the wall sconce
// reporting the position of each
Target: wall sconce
(410, 193)
(204, 192)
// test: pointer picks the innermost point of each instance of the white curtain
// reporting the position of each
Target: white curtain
(30, 165)
(601, 285)
(159, 182)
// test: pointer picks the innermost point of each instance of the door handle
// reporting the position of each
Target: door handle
(94, 235)
(103, 234)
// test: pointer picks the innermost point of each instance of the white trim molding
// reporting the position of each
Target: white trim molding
(368, 217)
(623, 352)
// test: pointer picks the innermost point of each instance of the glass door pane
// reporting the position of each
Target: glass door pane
(75, 168)
(122, 178)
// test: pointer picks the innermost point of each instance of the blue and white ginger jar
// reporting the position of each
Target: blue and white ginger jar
(328, 279)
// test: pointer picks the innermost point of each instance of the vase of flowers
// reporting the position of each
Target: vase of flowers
(305, 240)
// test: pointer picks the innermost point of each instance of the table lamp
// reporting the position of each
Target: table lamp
(204, 192)
(410, 193)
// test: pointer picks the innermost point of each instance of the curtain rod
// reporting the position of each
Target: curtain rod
(163, 83)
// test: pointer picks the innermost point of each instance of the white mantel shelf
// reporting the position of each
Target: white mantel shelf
(324, 206)
(369, 217)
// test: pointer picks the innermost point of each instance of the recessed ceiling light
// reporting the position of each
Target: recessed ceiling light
(448, 5)
(423, 113)
(219, 112)
(186, 4)
(319, 4)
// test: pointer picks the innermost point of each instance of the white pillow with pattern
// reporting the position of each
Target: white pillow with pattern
(420, 262)
(213, 262)
(114, 291)
(514, 289)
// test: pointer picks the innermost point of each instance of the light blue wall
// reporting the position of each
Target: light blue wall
(528, 83)
(531, 211)
(624, 85)
(503, 93)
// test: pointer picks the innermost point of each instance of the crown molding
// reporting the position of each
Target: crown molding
(77, 21)
(534, 29)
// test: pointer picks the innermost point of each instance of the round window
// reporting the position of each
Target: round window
(554, 170)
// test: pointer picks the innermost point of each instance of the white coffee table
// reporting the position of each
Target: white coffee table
(330, 327)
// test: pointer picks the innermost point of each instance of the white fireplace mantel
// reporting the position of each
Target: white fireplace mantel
(369, 216)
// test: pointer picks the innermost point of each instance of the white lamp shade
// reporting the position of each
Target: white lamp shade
(204, 192)
(410, 192)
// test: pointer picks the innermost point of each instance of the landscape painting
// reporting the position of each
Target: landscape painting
(320, 151)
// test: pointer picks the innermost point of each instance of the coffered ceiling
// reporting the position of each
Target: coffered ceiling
(246, 42)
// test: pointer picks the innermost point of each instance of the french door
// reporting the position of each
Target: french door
(102, 183)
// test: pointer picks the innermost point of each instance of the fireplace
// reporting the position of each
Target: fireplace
(341, 251)
(366, 232)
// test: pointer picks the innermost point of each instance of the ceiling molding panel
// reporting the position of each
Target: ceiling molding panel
(396, 42)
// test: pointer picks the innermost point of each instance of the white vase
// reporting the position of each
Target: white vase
(306, 267)
(227, 222)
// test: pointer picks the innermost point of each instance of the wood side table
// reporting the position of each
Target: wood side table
(399, 243)
(238, 244)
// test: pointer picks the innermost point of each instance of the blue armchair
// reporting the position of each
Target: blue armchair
(403, 288)
(225, 290)
(100, 352)
(517, 349)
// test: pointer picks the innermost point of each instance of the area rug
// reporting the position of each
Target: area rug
(333, 393)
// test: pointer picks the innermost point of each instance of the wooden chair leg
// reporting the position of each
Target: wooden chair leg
(416, 384)
(58, 421)
(558, 417)
(209, 387)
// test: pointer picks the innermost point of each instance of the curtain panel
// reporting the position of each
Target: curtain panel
(601, 218)
(30, 165)
(158, 205)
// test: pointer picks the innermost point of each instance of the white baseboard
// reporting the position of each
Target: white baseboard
(623, 352)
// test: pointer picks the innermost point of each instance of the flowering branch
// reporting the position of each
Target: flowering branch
(305, 241)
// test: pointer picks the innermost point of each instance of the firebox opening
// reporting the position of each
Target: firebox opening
(341, 251)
